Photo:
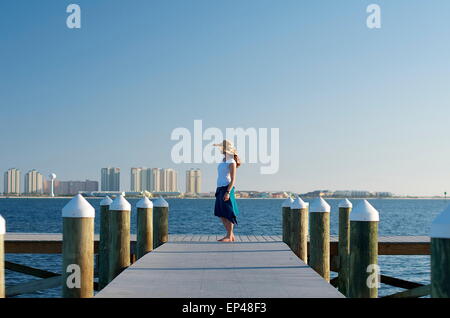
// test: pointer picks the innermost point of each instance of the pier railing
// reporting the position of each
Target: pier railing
(354, 254)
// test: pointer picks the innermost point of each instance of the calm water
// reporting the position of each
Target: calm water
(258, 217)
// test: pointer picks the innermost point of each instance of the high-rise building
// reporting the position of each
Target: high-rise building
(12, 182)
(193, 181)
(110, 179)
(34, 182)
(136, 183)
(169, 180)
(146, 179)
(155, 184)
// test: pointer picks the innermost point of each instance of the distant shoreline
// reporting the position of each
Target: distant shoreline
(211, 198)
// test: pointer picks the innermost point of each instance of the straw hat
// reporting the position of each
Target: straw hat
(227, 147)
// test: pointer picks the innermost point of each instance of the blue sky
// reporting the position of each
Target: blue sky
(357, 108)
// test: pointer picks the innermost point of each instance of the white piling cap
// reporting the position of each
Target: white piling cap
(78, 207)
(120, 204)
(106, 201)
(364, 211)
(319, 205)
(144, 203)
(2, 225)
(287, 203)
(298, 203)
(160, 203)
(345, 204)
(440, 228)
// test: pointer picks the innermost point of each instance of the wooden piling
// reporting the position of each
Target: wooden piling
(2, 256)
(160, 222)
(119, 236)
(299, 219)
(364, 278)
(286, 221)
(103, 255)
(78, 249)
(345, 207)
(440, 255)
(144, 237)
(320, 237)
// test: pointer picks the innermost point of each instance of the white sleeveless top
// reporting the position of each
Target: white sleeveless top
(223, 172)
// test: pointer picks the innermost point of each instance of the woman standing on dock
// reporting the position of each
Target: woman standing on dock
(225, 206)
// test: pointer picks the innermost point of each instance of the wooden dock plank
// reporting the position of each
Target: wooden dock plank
(198, 270)
(244, 238)
(275, 238)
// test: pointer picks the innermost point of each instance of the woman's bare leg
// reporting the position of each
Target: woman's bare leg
(230, 235)
(224, 221)
(231, 228)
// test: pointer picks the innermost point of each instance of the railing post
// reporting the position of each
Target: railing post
(78, 249)
(103, 246)
(286, 220)
(160, 222)
(319, 245)
(144, 222)
(320, 237)
(119, 236)
(2, 256)
(299, 218)
(440, 255)
(345, 208)
(364, 276)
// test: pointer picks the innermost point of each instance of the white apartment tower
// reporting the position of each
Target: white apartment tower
(34, 182)
(155, 185)
(169, 180)
(12, 182)
(110, 179)
(136, 184)
(145, 179)
(193, 181)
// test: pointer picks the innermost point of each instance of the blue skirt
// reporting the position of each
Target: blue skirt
(226, 209)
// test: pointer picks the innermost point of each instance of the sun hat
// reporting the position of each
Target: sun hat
(227, 146)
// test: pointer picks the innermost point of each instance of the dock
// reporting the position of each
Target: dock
(201, 256)
(205, 268)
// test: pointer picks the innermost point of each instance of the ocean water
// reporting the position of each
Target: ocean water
(195, 216)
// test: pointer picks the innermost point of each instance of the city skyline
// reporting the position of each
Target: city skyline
(193, 185)
(356, 108)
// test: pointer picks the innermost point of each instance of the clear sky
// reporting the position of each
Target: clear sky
(357, 108)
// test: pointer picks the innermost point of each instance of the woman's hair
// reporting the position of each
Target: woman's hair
(238, 161)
